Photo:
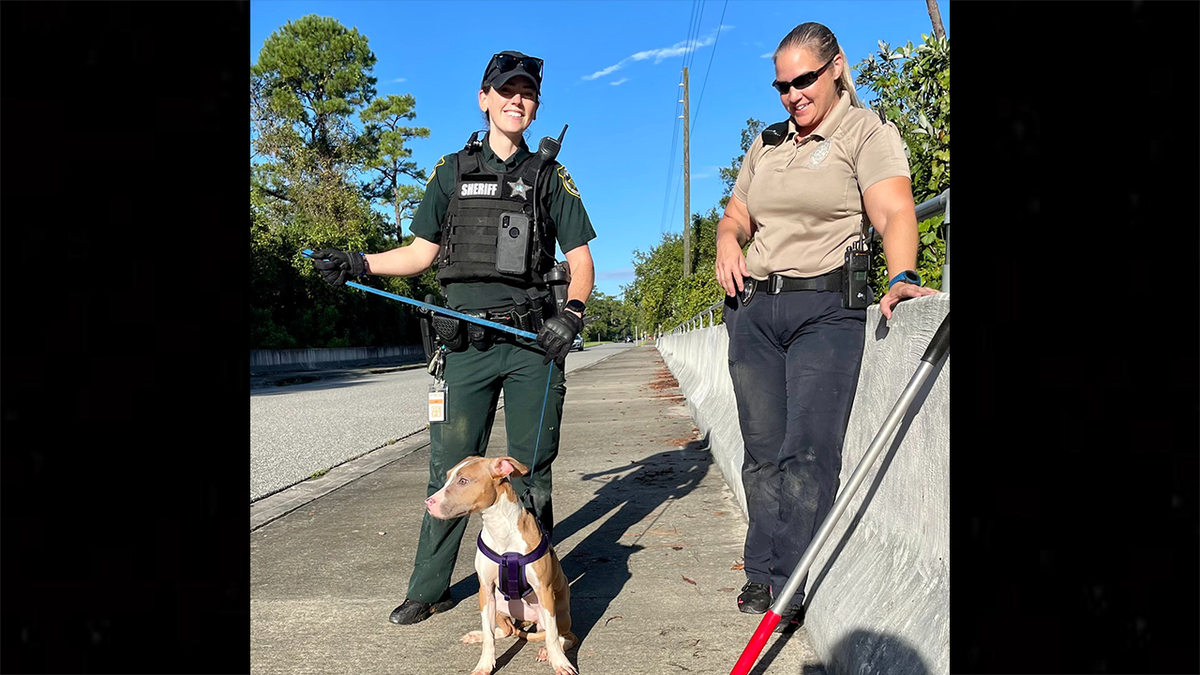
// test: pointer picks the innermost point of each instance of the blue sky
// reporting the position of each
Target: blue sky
(612, 73)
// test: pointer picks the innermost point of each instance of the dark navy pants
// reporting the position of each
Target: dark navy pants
(794, 360)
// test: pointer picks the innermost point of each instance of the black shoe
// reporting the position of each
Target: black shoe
(755, 598)
(414, 611)
(791, 619)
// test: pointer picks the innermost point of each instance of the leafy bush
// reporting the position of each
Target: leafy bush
(912, 89)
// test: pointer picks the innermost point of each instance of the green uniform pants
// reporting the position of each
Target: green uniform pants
(474, 380)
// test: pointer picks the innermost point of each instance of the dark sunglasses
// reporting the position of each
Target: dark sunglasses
(507, 62)
(802, 81)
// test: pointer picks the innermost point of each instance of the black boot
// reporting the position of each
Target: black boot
(755, 598)
(414, 611)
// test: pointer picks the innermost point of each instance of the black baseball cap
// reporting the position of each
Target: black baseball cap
(509, 64)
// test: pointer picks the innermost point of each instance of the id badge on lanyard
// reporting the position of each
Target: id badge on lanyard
(437, 402)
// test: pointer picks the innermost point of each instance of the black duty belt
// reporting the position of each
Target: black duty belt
(775, 284)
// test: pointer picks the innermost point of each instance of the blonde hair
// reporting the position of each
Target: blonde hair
(821, 42)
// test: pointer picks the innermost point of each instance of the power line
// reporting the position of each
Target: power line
(691, 47)
(675, 131)
(720, 22)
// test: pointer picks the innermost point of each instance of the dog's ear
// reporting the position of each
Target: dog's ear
(502, 466)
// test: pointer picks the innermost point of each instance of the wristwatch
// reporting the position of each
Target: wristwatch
(907, 276)
(576, 306)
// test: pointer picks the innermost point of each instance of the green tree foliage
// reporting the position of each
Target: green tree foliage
(311, 77)
(389, 158)
(729, 174)
(912, 86)
(609, 318)
(659, 294)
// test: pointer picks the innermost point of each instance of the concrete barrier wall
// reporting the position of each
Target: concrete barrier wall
(878, 593)
(268, 360)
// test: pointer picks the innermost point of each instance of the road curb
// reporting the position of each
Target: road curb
(278, 505)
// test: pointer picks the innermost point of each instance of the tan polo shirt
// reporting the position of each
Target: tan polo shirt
(805, 194)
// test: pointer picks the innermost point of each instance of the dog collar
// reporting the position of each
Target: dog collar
(513, 584)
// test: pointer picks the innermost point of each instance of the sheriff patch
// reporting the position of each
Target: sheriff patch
(434, 172)
(478, 189)
(567, 182)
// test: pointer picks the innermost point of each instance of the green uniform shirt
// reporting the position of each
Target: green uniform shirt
(573, 227)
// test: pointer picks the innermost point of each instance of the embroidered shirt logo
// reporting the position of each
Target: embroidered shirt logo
(819, 154)
(567, 181)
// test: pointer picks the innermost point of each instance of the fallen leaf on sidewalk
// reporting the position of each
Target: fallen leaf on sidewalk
(720, 513)
(690, 581)
(381, 533)
(677, 548)
(617, 616)
(739, 566)
(725, 590)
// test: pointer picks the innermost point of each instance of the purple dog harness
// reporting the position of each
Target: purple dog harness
(513, 584)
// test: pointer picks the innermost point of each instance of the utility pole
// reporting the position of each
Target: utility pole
(687, 186)
(936, 18)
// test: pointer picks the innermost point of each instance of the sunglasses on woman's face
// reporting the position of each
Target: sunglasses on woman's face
(507, 62)
(802, 81)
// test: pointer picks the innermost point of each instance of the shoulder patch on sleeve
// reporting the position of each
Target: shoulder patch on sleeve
(434, 172)
(567, 182)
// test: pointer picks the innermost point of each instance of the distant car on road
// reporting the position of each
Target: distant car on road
(578, 344)
(628, 338)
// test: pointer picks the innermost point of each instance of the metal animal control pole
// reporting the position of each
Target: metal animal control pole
(437, 310)
(933, 354)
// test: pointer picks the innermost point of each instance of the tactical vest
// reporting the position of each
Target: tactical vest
(475, 221)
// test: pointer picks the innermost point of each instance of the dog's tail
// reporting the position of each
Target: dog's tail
(519, 628)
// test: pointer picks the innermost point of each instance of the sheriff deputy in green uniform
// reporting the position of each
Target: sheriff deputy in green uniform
(490, 218)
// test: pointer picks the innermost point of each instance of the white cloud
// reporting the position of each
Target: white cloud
(623, 80)
(400, 79)
(659, 55)
(606, 71)
(767, 55)
(677, 49)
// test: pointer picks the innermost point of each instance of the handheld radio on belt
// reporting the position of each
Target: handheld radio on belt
(856, 273)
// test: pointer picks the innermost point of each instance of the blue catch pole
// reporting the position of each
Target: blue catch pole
(439, 310)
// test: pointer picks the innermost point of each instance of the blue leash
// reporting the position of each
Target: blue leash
(476, 320)
(541, 424)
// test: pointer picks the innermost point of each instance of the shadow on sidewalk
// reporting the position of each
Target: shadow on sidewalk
(600, 562)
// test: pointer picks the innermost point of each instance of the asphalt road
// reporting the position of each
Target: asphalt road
(302, 429)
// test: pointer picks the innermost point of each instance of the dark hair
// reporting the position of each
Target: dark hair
(824, 45)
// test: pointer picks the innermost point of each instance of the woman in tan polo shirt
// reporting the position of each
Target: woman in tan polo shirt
(803, 191)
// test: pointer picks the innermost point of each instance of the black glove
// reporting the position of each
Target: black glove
(339, 267)
(556, 336)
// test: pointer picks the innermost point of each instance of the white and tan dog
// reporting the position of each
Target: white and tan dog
(481, 485)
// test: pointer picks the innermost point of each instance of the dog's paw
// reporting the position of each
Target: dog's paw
(565, 668)
(483, 669)
(559, 661)
(474, 637)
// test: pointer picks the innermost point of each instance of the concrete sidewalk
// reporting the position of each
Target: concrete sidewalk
(647, 530)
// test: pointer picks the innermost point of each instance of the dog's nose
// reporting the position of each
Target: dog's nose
(430, 502)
